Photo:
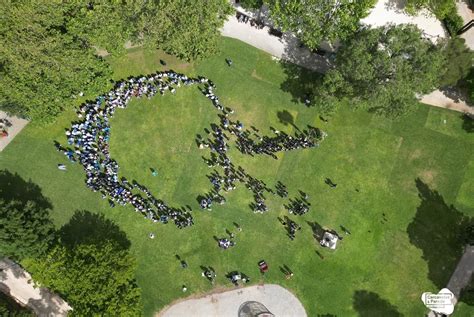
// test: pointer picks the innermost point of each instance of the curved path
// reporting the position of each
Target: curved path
(17, 283)
(278, 300)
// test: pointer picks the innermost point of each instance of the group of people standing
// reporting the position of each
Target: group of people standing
(89, 141)
(90, 137)
(248, 142)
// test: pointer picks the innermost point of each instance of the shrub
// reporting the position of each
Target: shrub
(453, 22)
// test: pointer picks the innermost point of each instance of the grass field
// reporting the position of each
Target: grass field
(412, 170)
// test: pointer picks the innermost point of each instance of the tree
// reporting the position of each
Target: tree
(251, 4)
(441, 8)
(468, 84)
(25, 229)
(316, 20)
(95, 280)
(41, 64)
(458, 61)
(187, 29)
(91, 268)
(384, 69)
(48, 52)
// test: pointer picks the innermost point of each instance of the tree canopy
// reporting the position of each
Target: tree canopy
(384, 69)
(95, 280)
(41, 64)
(25, 226)
(459, 59)
(441, 8)
(91, 267)
(187, 29)
(251, 4)
(49, 51)
(25, 229)
(316, 20)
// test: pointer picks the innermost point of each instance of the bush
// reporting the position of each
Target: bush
(453, 22)
(468, 83)
(458, 61)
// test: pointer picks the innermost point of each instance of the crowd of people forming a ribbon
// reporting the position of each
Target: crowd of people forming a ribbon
(89, 137)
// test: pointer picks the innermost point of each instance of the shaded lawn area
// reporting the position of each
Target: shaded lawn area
(375, 162)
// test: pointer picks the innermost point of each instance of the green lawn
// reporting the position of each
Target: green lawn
(381, 269)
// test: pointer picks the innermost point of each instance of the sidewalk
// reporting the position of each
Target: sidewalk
(467, 15)
(17, 283)
(286, 48)
(461, 276)
(17, 124)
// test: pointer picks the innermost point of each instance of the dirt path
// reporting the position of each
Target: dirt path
(17, 283)
(278, 300)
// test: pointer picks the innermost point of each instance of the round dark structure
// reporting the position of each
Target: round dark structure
(254, 309)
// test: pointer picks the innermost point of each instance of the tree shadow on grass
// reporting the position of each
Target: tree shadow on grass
(14, 187)
(285, 117)
(369, 304)
(299, 81)
(437, 229)
(468, 123)
(94, 229)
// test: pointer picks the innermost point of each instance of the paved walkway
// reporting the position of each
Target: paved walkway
(462, 275)
(286, 48)
(276, 299)
(390, 11)
(467, 15)
(17, 283)
(13, 125)
(439, 99)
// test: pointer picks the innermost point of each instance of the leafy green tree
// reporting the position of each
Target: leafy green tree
(316, 20)
(25, 229)
(459, 59)
(48, 52)
(95, 279)
(251, 4)
(187, 29)
(383, 69)
(102, 24)
(441, 8)
(91, 268)
(468, 84)
(41, 64)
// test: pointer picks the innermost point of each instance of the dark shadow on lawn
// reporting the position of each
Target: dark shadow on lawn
(317, 229)
(93, 229)
(438, 230)
(467, 294)
(299, 81)
(14, 187)
(285, 117)
(468, 123)
(369, 304)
